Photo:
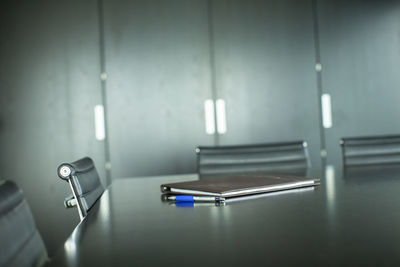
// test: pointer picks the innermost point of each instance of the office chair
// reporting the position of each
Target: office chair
(85, 184)
(372, 150)
(20, 241)
(286, 158)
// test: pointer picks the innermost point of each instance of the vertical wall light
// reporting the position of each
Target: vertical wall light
(99, 122)
(209, 116)
(221, 116)
(326, 111)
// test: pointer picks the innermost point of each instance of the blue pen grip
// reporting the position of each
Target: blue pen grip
(185, 198)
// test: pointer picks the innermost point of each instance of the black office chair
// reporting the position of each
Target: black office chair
(286, 158)
(372, 150)
(20, 241)
(85, 184)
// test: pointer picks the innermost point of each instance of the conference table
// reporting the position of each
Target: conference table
(351, 219)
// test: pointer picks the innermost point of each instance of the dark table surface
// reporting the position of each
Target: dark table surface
(351, 219)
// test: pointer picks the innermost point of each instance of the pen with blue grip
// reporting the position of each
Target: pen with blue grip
(186, 198)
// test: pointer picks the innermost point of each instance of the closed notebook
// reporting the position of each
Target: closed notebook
(240, 185)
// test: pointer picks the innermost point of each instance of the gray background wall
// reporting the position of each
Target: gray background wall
(49, 84)
(158, 63)
(163, 60)
(360, 54)
(265, 58)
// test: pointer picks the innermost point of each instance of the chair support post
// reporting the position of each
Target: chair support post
(78, 203)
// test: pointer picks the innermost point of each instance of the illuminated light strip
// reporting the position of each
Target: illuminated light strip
(209, 116)
(221, 116)
(99, 122)
(326, 111)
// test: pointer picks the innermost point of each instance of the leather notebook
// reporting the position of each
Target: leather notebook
(240, 185)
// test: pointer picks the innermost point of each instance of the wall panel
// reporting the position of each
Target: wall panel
(360, 68)
(49, 84)
(157, 58)
(265, 71)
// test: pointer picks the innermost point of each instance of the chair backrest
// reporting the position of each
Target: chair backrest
(287, 157)
(84, 181)
(371, 173)
(20, 241)
(357, 151)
